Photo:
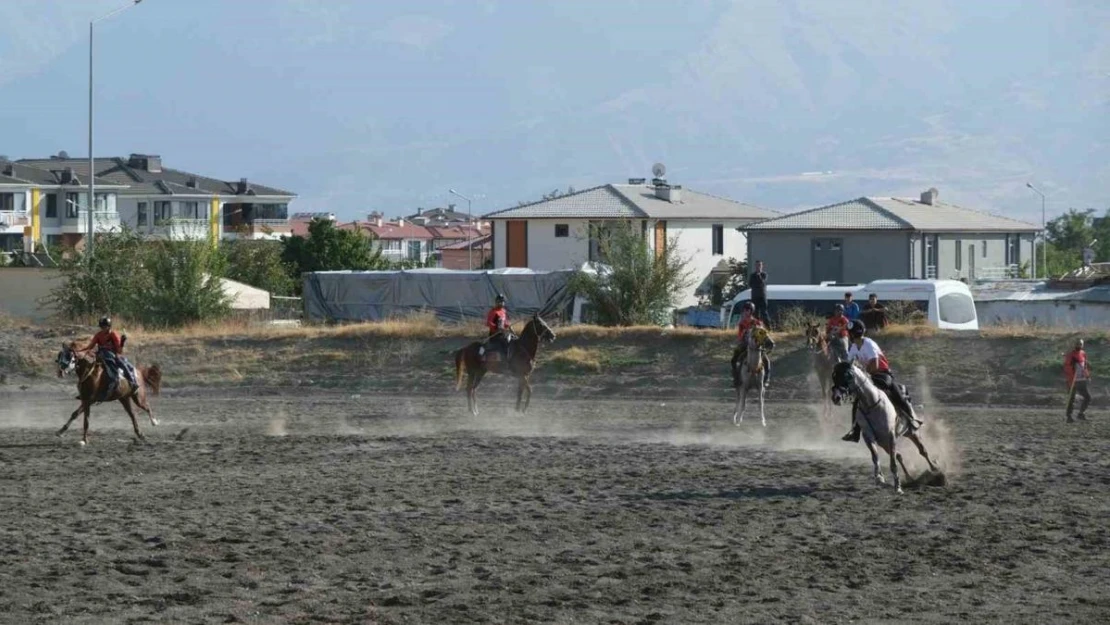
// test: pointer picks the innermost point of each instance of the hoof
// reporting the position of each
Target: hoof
(83, 443)
(153, 421)
(898, 491)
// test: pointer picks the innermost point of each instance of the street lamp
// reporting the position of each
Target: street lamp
(469, 229)
(1044, 238)
(92, 165)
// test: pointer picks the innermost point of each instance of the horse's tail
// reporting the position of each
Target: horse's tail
(460, 363)
(152, 377)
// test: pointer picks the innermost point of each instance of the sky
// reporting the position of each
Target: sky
(372, 105)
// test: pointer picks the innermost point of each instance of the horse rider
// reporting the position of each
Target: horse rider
(748, 322)
(874, 361)
(500, 332)
(109, 350)
(837, 328)
(1078, 374)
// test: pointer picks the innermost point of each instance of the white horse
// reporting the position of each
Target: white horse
(877, 418)
(750, 374)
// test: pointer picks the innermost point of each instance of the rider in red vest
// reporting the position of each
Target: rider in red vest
(497, 322)
(109, 350)
(748, 322)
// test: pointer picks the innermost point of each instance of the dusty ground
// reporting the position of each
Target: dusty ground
(332, 508)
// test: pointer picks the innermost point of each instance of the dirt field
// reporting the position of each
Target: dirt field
(331, 508)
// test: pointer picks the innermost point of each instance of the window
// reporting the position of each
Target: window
(53, 241)
(414, 250)
(142, 213)
(52, 206)
(984, 244)
(1011, 249)
(163, 211)
(74, 204)
(391, 245)
(959, 254)
(7, 201)
(190, 210)
(718, 240)
(956, 308)
(562, 230)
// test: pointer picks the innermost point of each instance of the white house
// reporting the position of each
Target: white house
(554, 234)
(174, 204)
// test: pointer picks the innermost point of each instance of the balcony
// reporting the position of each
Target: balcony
(182, 227)
(14, 219)
(103, 221)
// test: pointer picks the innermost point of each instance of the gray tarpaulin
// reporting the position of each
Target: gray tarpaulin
(451, 295)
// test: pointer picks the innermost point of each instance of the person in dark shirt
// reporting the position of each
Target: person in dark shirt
(874, 313)
(758, 284)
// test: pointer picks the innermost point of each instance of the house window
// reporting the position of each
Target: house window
(959, 255)
(391, 245)
(190, 210)
(984, 244)
(74, 205)
(1011, 249)
(142, 213)
(562, 231)
(7, 201)
(52, 206)
(414, 250)
(163, 211)
(718, 240)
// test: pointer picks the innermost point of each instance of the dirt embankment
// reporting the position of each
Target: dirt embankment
(582, 363)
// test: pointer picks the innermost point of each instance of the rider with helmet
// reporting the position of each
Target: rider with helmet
(497, 322)
(874, 361)
(837, 326)
(748, 322)
(109, 350)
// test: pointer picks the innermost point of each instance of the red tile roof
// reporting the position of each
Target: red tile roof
(390, 231)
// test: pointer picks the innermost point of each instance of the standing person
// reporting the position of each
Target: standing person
(1078, 373)
(758, 284)
(851, 309)
(874, 313)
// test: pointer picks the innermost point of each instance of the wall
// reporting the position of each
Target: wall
(546, 252)
(458, 259)
(867, 256)
(987, 265)
(1049, 313)
(23, 288)
(499, 229)
(695, 242)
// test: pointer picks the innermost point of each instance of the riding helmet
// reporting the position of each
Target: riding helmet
(748, 306)
(839, 308)
(500, 299)
(105, 322)
(857, 328)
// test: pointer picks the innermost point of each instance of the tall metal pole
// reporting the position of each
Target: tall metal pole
(92, 167)
(91, 208)
(1044, 236)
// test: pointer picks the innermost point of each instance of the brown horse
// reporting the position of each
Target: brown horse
(92, 380)
(823, 362)
(521, 363)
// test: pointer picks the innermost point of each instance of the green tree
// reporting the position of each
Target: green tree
(1066, 236)
(109, 282)
(259, 264)
(327, 248)
(185, 284)
(635, 286)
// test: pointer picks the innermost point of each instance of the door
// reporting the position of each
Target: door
(827, 260)
(516, 243)
(660, 237)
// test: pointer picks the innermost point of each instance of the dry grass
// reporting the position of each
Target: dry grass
(577, 358)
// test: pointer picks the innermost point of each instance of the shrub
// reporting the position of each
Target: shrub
(259, 264)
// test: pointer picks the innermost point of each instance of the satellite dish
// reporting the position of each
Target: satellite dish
(658, 170)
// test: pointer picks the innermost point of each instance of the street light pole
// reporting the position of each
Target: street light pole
(1044, 237)
(91, 208)
(469, 229)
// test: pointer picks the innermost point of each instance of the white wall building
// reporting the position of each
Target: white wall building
(555, 234)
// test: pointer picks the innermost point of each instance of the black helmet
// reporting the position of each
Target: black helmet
(105, 322)
(500, 299)
(748, 306)
(839, 308)
(857, 328)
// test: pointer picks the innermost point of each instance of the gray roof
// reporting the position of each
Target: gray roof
(623, 201)
(887, 213)
(141, 182)
(22, 173)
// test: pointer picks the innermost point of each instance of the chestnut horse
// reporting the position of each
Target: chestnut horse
(521, 363)
(92, 380)
(824, 357)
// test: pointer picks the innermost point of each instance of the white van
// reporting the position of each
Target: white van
(947, 304)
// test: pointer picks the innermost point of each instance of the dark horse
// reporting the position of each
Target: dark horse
(92, 380)
(521, 363)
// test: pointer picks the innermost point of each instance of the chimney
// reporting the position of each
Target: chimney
(930, 197)
(400, 222)
(9, 168)
(637, 180)
(377, 221)
(154, 163)
(669, 193)
(67, 176)
(243, 187)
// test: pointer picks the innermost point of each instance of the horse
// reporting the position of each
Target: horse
(749, 374)
(823, 360)
(521, 363)
(92, 380)
(877, 418)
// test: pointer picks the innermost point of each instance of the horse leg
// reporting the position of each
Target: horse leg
(876, 471)
(891, 450)
(131, 413)
(762, 417)
(72, 418)
(921, 448)
(140, 401)
(527, 393)
(85, 425)
(475, 380)
(520, 393)
(741, 402)
(904, 469)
